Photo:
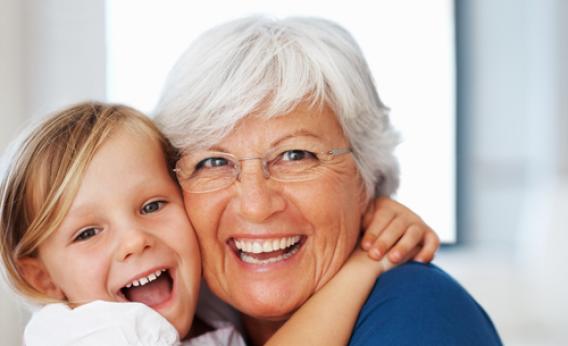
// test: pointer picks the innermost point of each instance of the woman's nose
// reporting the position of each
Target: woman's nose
(133, 240)
(257, 198)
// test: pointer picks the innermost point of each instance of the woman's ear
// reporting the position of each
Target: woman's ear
(36, 275)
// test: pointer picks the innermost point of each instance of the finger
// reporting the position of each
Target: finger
(392, 233)
(369, 214)
(412, 239)
(428, 250)
(368, 240)
(387, 203)
(411, 254)
(381, 220)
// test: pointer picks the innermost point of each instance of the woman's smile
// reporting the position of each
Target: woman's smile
(268, 244)
(267, 251)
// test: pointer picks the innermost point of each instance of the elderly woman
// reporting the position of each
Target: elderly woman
(284, 142)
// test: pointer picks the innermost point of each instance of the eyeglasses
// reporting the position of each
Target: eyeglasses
(213, 171)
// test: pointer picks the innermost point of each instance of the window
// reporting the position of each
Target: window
(409, 45)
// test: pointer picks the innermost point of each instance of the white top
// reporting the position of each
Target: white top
(110, 323)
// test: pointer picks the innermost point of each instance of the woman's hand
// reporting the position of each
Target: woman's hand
(394, 230)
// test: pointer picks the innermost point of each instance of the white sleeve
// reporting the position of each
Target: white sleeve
(227, 336)
(99, 323)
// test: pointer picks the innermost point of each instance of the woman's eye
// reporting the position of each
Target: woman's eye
(152, 207)
(212, 162)
(297, 155)
(86, 234)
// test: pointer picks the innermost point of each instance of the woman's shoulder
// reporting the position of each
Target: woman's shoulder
(407, 277)
(414, 285)
(419, 303)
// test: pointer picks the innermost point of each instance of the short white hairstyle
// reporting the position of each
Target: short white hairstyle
(269, 66)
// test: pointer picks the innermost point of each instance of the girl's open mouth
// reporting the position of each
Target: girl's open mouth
(152, 290)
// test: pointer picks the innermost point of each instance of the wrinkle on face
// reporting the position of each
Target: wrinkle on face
(326, 210)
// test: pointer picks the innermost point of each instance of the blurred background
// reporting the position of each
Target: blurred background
(505, 228)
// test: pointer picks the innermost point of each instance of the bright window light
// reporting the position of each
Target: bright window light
(409, 45)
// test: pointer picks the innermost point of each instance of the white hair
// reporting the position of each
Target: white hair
(260, 64)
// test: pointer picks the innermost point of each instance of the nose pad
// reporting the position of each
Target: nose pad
(257, 199)
(265, 169)
(263, 163)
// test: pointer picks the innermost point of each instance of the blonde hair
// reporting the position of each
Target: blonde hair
(44, 176)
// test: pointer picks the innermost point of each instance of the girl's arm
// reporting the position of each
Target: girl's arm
(395, 230)
(329, 316)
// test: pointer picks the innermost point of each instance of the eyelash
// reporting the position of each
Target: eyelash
(211, 160)
(159, 203)
(308, 154)
(82, 237)
(209, 163)
(87, 233)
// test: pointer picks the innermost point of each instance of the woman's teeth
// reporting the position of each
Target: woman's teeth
(268, 245)
(253, 260)
(147, 279)
(267, 251)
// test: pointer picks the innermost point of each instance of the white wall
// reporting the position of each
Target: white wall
(64, 53)
(513, 122)
(12, 315)
(52, 53)
(11, 86)
(514, 186)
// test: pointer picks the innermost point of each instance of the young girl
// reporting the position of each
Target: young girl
(91, 216)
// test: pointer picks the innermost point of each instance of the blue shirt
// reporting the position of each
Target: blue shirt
(419, 304)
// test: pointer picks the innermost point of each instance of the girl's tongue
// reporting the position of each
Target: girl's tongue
(152, 293)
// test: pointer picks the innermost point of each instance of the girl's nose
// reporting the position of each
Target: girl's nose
(133, 240)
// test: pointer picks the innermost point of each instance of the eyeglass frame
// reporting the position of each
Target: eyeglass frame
(323, 156)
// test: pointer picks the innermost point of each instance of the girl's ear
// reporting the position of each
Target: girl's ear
(35, 274)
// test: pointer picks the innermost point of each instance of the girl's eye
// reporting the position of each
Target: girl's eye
(86, 234)
(212, 162)
(152, 207)
(297, 155)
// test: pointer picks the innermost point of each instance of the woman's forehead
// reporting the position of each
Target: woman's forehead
(316, 123)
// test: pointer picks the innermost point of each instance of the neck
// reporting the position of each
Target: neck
(259, 331)
(198, 327)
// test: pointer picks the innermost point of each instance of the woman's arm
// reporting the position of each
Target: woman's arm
(328, 317)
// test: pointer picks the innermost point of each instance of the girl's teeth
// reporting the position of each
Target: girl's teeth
(143, 281)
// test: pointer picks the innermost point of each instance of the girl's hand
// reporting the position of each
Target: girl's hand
(394, 230)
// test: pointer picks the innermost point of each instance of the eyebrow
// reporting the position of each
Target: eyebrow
(297, 133)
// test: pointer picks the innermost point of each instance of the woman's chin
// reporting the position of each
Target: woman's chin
(267, 313)
(265, 304)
